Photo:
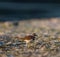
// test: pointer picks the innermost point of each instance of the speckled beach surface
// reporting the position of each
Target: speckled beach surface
(46, 44)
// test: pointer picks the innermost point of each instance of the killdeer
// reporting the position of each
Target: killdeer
(28, 38)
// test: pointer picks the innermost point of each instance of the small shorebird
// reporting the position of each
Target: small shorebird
(27, 38)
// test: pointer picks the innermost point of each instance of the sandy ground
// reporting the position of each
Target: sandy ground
(46, 44)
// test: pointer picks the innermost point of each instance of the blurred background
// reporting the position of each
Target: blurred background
(28, 9)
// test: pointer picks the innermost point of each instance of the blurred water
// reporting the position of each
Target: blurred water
(21, 11)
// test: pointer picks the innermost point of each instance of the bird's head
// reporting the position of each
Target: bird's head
(34, 35)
